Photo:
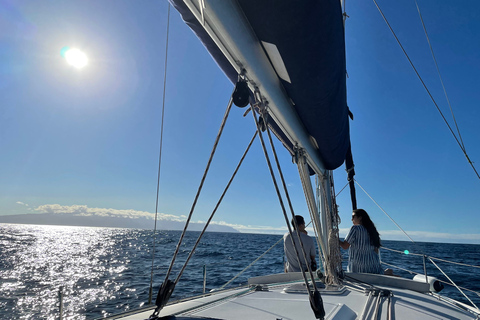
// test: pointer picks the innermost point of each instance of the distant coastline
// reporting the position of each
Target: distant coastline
(58, 219)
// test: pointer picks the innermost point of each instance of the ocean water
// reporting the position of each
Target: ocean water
(104, 271)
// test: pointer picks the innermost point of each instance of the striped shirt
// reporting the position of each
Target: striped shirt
(362, 256)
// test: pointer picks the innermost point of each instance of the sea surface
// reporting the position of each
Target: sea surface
(104, 271)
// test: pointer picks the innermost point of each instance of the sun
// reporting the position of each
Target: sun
(74, 57)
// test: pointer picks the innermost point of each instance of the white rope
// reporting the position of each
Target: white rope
(334, 262)
(312, 207)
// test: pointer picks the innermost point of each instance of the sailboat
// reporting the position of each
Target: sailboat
(290, 76)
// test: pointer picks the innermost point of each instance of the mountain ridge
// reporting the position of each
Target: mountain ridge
(59, 219)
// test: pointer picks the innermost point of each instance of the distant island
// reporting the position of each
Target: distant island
(59, 219)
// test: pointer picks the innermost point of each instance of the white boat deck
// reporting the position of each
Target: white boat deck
(289, 300)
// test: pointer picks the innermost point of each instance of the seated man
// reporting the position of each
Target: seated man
(291, 264)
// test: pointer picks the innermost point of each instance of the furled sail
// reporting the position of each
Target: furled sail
(304, 44)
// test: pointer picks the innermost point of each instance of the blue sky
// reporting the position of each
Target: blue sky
(90, 138)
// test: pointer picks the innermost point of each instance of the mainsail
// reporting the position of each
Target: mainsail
(302, 42)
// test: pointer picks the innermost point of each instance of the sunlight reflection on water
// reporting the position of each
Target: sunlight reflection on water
(43, 259)
(106, 271)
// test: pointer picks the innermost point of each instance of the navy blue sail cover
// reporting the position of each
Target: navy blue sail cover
(309, 36)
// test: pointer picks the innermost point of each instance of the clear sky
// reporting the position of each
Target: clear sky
(88, 140)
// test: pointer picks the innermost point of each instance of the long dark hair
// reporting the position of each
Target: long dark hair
(370, 226)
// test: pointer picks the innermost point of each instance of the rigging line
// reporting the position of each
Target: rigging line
(399, 226)
(428, 92)
(255, 261)
(224, 120)
(453, 283)
(465, 289)
(421, 274)
(215, 209)
(421, 255)
(160, 155)
(440, 76)
(457, 263)
(250, 265)
(282, 205)
(287, 195)
(384, 210)
(413, 272)
(397, 267)
(342, 189)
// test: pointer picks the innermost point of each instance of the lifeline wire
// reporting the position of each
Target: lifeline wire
(159, 156)
(421, 255)
(453, 283)
(417, 273)
(425, 86)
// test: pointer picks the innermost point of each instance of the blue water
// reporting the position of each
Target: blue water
(104, 271)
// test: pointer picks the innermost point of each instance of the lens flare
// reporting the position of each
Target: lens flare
(64, 50)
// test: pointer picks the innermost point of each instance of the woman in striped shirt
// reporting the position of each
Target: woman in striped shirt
(364, 242)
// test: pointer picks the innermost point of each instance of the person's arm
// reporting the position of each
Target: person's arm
(344, 244)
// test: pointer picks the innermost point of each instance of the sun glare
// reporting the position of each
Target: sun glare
(74, 57)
